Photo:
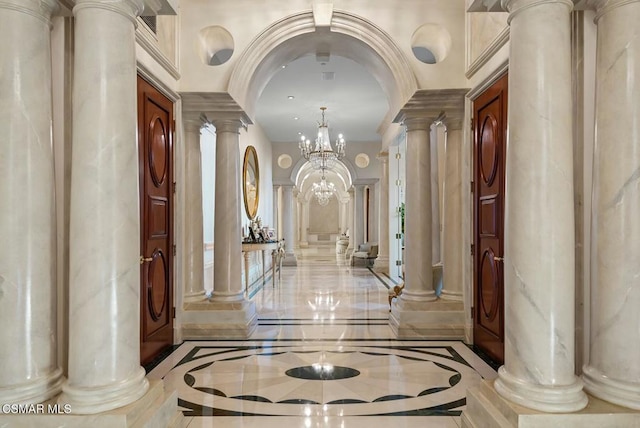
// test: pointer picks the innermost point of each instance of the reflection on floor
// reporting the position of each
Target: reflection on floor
(323, 355)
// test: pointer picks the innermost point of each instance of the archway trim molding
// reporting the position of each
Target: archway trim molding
(261, 59)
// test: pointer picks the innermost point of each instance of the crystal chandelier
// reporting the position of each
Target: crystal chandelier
(322, 156)
(323, 190)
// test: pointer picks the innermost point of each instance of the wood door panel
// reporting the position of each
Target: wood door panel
(155, 131)
(158, 224)
(490, 132)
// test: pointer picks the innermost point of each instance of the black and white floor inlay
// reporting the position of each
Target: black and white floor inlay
(323, 378)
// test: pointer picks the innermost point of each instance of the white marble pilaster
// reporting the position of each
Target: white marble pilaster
(453, 263)
(29, 372)
(304, 224)
(613, 371)
(194, 232)
(539, 231)
(381, 264)
(358, 216)
(288, 219)
(296, 220)
(104, 288)
(350, 216)
(278, 203)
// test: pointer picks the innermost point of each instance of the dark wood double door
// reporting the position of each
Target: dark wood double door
(490, 137)
(155, 145)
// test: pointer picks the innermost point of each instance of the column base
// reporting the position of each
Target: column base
(156, 408)
(290, 259)
(552, 399)
(37, 391)
(427, 320)
(452, 296)
(195, 297)
(486, 408)
(622, 393)
(92, 400)
(381, 264)
(219, 320)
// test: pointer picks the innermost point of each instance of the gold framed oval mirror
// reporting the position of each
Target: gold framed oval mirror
(251, 182)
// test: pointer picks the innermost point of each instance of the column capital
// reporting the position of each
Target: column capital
(383, 157)
(41, 9)
(516, 6)
(427, 105)
(193, 122)
(603, 7)
(217, 107)
(130, 9)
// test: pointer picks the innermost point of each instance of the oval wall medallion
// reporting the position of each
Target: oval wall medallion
(362, 160)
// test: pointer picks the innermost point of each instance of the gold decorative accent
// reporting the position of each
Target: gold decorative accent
(145, 259)
(251, 182)
(395, 292)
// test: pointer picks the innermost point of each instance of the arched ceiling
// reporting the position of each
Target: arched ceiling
(356, 104)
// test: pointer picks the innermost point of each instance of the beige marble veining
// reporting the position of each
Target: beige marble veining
(27, 217)
(615, 250)
(539, 231)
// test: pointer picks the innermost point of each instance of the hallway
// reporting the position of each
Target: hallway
(323, 355)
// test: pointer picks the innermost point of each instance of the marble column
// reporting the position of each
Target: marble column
(452, 260)
(350, 216)
(194, 232)
(227, 247)
(381, 264)
(104, 287)
(539, 251)
(304, 224)
(436, 256)
(29, 372)
(613, 371)
(296, 220)
(288, 218)
(418, 280)
(358, 216)
(278, 203)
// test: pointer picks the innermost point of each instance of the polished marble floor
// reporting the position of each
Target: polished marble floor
(322, 355)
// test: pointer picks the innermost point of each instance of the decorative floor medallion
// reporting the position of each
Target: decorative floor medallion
(321, 378)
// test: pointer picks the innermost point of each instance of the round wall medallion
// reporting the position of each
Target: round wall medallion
(284, 161)
(362, 160)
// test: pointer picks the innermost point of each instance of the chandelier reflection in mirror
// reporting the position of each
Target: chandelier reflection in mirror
(323, 191)
(323, 156)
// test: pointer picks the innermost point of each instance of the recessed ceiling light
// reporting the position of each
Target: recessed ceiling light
(284, 66)
(296, 118)
(290, 97)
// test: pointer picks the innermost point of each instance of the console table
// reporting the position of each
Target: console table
(276, 259)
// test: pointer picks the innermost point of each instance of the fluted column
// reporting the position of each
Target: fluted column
(613, 372)
(287, 216)
(29, 371)
(453, 263)
(104, 288)
(381, 264)
(539, 232)
(418, 277)
(194, 232)
(227, 247)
